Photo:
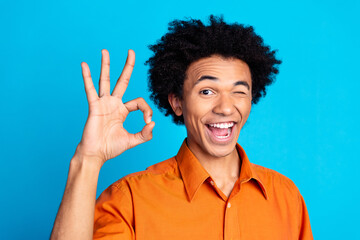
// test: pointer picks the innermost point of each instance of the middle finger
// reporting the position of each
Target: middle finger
(124, 78)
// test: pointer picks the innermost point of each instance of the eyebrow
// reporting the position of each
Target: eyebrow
(243, 83)
(207, 77)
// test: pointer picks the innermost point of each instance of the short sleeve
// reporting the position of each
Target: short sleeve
(305, 228)
(114, 214)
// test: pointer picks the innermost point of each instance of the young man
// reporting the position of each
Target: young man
(205, 77)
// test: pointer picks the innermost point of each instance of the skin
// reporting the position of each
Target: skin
(216, 90)
(104, 136)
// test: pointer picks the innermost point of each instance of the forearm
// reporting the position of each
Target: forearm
(75, 218)
(103, 138)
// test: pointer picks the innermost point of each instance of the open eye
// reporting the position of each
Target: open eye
(206, 92)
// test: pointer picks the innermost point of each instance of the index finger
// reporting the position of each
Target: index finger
(140, 104)
(124, 78)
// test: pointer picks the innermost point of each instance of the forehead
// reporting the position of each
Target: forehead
(219, 67)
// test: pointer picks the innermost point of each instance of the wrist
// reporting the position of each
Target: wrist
(82, 153)
(85, 161)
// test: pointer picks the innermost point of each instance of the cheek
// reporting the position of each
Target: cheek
(194, 115)
(244, 108)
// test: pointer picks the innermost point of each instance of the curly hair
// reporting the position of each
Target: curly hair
(189, 41)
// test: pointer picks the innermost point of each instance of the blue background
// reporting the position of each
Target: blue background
(306, 127)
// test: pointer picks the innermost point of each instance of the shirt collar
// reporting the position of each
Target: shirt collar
(248, 172)
(194, 174)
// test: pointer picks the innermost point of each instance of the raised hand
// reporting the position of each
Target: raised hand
(104, 136)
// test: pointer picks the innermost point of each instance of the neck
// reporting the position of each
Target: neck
(223, 170)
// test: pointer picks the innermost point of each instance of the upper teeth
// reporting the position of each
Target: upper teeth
(221, 125)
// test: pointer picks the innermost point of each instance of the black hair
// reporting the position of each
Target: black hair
(190, 40)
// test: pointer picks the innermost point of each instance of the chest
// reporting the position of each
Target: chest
(248, 215)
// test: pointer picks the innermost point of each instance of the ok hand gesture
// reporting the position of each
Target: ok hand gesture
(104, 135)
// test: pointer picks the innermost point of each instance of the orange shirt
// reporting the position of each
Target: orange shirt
(177, 199)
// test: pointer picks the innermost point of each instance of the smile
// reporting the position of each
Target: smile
(222, 130)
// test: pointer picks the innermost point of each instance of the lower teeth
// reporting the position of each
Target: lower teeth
(229, 131)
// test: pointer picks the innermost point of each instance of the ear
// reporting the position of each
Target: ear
(175, 103)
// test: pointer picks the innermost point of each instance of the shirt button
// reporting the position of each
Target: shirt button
(212, 182)
(228, 205)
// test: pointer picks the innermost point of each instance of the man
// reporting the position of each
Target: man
(206, 77)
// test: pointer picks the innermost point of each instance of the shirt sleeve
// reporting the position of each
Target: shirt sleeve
(305, 228)
(114, 215)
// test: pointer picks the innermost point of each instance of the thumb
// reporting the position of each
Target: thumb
(145, 134)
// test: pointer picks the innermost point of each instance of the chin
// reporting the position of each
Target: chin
(222, 151)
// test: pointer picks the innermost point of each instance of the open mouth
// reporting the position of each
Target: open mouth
(222, 130)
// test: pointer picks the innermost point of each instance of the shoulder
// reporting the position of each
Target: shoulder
(276, 183)
(271, 176)
(164, 169)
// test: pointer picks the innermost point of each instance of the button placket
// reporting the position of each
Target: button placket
(231, 223)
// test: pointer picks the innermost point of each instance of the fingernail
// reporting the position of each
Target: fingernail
(148, 120)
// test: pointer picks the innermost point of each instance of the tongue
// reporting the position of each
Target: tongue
(219, 131)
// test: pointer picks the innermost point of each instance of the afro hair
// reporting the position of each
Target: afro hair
(190, 40)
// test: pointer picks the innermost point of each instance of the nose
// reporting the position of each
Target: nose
(224, 105)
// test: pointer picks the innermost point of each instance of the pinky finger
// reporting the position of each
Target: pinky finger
(88, 83)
